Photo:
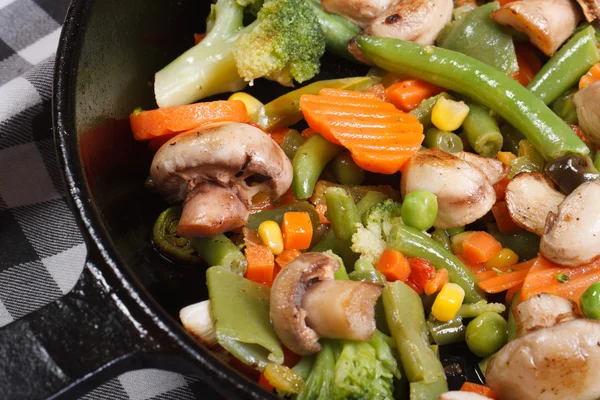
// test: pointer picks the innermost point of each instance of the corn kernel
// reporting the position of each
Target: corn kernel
(505, 157)
(253, 105)
(447, 302)
(270, 234)
(505, 258)
(448, 115)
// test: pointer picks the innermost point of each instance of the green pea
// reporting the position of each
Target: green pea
(486, 334)
(346, 171)
(419, 209)
(590, 302)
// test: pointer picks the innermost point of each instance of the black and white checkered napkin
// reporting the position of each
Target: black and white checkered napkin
(41, 250)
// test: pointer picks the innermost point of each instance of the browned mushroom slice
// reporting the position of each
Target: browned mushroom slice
(591, 9)
(360, 12)
(463, 192)
(587, 103)
(459, 395)
(217, 169)
(543, 311)
(304, 292)
(349, 312)
(547, 23)
(530, 196)
(493, 169)
(572, 235)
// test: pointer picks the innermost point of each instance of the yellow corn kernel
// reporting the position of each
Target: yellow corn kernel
(505, 157)
(253, 105)
(448, 115)
(447, 302)
(284, 378)
(505, 258)
(270, 234)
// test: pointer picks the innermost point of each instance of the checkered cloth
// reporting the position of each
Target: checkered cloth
(41, 250)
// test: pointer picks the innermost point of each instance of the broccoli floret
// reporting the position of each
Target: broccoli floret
(370, 238)
(285, 42)
(353, 370)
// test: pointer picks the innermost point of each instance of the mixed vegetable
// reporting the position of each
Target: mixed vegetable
(480, 123)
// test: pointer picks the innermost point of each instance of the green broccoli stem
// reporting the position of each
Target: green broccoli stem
(209, 67)
(338, 31)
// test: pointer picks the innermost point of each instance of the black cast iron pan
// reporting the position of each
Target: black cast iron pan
(122, 314)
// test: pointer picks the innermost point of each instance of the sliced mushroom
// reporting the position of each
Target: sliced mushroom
(587, 103)
(556, 363)
(418, 21)
(197, 320)
(543, 311)
(547, 23)
(572, 236)
(493, 169)
(217, 169)
(530, 197)
(360, 12)
(463, 192)
(591, 9)
(458, 395)
(306, 303)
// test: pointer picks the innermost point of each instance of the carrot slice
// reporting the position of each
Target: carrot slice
(297, 230)
(542, 278)
(166, 121)
(480, 247)
(393, 265)
(435, 284)
(503, 282)
(407, 95)
(286, 256)
(482, 390)
(590, 77)
(260, 264)
(380, 137)
(529, 63)
(503, 220)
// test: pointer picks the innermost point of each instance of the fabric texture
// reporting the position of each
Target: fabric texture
(41, 249)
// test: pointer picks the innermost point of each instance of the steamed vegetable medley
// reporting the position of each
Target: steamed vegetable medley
(354, 226)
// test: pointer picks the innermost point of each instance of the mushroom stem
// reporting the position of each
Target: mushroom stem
(342, 309)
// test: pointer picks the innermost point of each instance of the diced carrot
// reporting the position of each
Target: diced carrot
(278, 135)
(407, 95)
(482, 390)
(421, 272)
(260, 264)
(264, 382)
(480, 247)
(322, 209)
(167, 121)
(297, 230)
(157, 142)
(198, 37)
(503, 220)
(435, 284)
(379, 90)
(542, 278)
(590, 77)
(393, 265)
(500, 189)
(286, 256)
(579, 133)
(251, 237)
(380, 137)
(529, 63)
(308, 132)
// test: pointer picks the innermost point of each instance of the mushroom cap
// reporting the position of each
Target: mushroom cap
(530, 197)
(463, 191)
(287, 315)
(217, 169)
(556, 363)
(572, 236)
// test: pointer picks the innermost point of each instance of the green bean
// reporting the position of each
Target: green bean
(590, 302)
(365, 271)
(482, 131)
(292, 142)
(329, 242)
(476, 309)
(170, 244)
(447, 141)
(565, 68)
(424, 110)
(240, 309)
(368, 201)
(285, 111)
(414, 243)
(419, 209)
(276, 214)
(337, 30)
(342, 213)
(444, 333)
(511, 326)
(486, 334)
(346, 171)
(440, 236)
(564, 107)
(511, 138)
(309, 161)
(357, 192)
(220, 250)
(549, 134)
(454, 231)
